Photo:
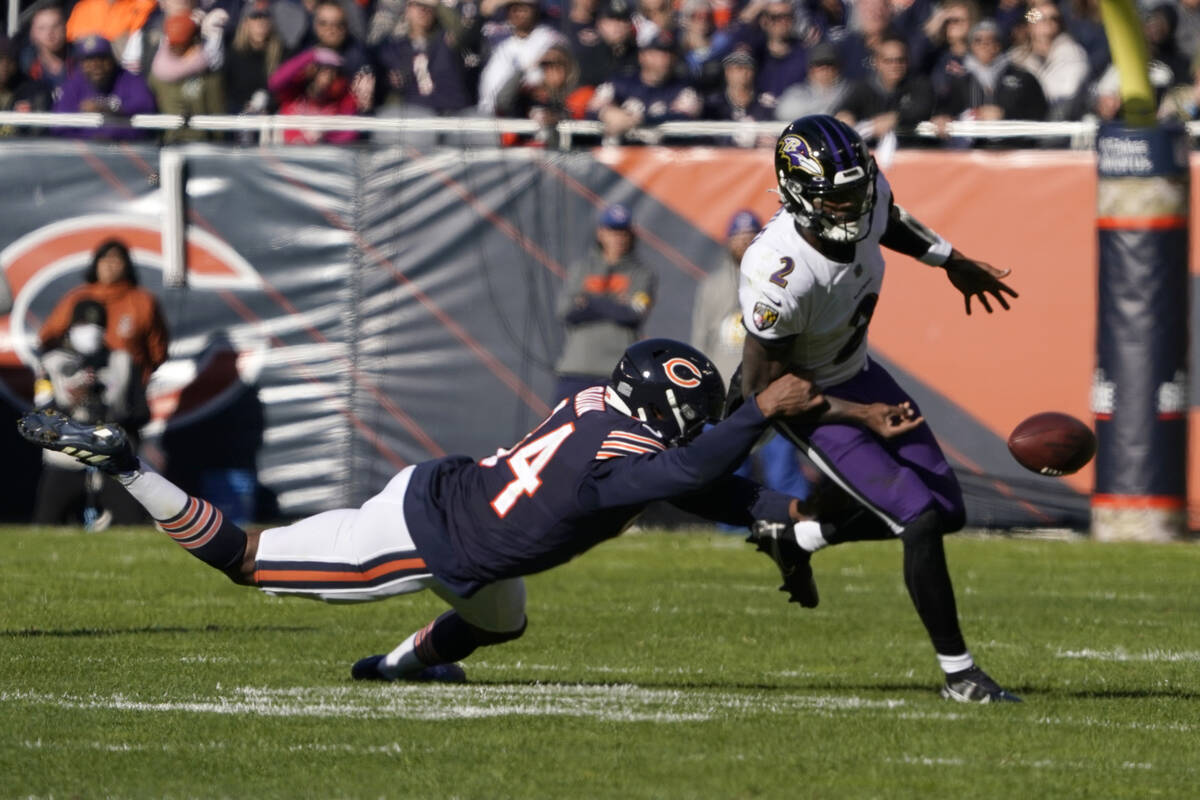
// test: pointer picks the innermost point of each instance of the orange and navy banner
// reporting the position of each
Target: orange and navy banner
(349, 313)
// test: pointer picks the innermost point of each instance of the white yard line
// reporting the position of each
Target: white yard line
(1121, 654)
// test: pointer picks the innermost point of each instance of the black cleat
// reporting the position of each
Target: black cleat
(367, 669)
(776, 540)
(104, 445)
(975, 686)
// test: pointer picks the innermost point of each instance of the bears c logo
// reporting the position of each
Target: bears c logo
(682, 372)
(38, 264)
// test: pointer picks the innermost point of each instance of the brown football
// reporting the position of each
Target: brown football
(1051, 443)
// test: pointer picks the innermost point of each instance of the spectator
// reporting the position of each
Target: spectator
(653, 19)
(48, 57)
(827, 19)
(548, 95)
(701, 45)
(738, 101)
(1159, 24)
(256, 52)
(783, 61)
(605, 300)
(135, 323)
(717, 331)
(312, 83)
(181, 78)
(872, 23)
(946, 36)
(893, 100)
(331, 31)
(18, 93)
(99, 84)
(89, 382)
(991, 87)
(648, 98)
(1182, 102)
(1084, 25)
(1187, 32)
(113, 20)
(516, 54)
(422, 68)
(823, 91)
(1055, 59)
(612, 52)
(353, 15)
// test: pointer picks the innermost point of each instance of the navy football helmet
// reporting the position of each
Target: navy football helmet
(826, 177)
(672, 387)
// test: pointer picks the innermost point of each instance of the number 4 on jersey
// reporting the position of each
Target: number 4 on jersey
(526, 463)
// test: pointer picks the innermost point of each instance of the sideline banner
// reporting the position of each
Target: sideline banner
(352, 311)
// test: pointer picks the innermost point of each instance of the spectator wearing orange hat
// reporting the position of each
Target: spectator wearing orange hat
(182, 78)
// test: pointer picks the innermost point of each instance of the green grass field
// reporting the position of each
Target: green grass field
(659, 665)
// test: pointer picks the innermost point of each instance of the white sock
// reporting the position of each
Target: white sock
(808, 535)
(958, 663)
(157, 495)
(403, 659)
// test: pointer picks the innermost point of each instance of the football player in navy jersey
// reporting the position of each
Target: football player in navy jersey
(468, 530)
(809, 285)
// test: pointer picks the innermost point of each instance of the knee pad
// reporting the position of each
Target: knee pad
(484, 638)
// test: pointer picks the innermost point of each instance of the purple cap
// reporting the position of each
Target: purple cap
(743, 221)
(616, 217)
(93, 47)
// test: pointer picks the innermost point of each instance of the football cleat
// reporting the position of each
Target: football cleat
(975, 686)
(104, 445)
(776, 540)
(367, 669)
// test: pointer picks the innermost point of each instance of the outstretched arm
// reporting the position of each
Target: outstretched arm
(763, 361)
(906, 234)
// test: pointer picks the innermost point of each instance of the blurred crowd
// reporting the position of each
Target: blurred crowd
(881, 65)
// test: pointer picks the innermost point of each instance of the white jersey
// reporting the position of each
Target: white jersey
(788, 289)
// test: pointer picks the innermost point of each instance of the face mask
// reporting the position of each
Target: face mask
(85, 339)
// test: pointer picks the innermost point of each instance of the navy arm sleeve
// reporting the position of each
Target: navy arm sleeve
(735, 500)
(677, 471)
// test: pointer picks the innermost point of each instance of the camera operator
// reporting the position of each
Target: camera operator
(91, 383)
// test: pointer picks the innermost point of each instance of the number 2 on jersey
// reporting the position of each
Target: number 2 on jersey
(526, 463)
(779, 276)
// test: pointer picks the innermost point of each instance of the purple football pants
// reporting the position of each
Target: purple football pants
(898, 478)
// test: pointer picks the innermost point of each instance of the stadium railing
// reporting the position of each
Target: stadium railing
(270, 128)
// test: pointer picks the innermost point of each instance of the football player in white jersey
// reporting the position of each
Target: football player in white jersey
(809, 286)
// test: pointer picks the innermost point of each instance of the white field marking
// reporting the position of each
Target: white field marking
(1093, 595)
(394, 748)
(1041, 763)
(617, 703)
(1120, 654)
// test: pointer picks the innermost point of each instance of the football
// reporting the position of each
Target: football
(1053, 444)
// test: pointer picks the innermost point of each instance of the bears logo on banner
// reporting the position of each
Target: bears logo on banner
(38, 260)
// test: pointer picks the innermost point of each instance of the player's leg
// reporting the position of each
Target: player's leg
(493, 615)
(193, 523)
(910, 490)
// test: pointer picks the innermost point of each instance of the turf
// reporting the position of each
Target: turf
(658, 665)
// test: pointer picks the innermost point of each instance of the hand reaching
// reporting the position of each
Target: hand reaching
(977, 279)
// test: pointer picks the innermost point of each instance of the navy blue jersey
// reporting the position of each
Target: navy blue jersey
(577, 479)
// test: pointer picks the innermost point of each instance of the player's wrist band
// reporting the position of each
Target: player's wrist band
(938, 254)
